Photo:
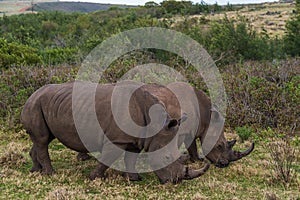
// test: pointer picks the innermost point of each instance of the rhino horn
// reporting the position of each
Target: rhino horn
(231, 143)
(236, 155)
(190, 173)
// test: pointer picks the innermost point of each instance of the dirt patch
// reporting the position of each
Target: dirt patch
(24, 8)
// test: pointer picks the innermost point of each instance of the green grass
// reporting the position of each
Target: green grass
(249, 178)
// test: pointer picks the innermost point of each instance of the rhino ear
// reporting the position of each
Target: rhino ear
(182, 119)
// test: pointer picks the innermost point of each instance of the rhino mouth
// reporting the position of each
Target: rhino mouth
(221, 165)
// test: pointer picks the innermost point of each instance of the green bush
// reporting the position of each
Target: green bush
(244, 132)
(236, 41)
(263, 94)
(60, 55)
(12, 54)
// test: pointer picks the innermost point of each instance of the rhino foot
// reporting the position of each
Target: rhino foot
(83, 156)
(184, 158)
(133, 176)
(47, 171)
(37, 168)
(98, 172)
(94, 175)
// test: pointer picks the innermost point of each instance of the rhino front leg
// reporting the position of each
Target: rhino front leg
(99, 171)
(193, 151)
(83, 156)
(110, 153)
(130, 161)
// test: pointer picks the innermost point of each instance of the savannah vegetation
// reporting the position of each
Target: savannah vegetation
(261, 74)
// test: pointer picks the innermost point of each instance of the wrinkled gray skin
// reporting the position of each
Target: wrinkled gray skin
(47, 115)
(222, 153)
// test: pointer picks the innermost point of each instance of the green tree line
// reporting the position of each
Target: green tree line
(51, 38)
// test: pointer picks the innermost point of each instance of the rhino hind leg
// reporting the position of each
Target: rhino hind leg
(39, 152)
(37, 167)
(44, 160)
(193, 152)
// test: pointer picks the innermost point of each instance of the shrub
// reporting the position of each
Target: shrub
(56, 56)
(244, 132)
(12, 54)
(284, 157)
(292, 36)
(232, 41)
(17, 84)
(263, 94)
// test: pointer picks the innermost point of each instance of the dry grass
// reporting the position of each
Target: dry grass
(249, 178)
(269, 17)
(14, 7)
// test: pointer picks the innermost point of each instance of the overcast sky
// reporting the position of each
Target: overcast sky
(142, 2)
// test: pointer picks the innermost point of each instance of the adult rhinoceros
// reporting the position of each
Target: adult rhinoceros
(48, 115)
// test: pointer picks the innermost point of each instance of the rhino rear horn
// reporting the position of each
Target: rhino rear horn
(236, 155)
(231, 143)
(190, 173)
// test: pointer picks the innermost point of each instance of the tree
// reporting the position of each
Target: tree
(292, 37)
(175, 7)
(150, 4)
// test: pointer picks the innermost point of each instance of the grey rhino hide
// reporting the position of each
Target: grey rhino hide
(203, 114)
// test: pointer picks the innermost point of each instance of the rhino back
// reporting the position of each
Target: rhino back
(50, 109)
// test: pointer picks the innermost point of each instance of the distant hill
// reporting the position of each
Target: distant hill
(73, 6)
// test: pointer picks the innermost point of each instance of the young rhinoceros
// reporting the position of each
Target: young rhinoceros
(208, 122)
(51, 113)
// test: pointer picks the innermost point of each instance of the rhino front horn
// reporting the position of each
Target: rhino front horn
(236, 155)
(190, 173)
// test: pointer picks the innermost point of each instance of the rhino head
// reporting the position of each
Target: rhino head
(222, 152)
(165, 163)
